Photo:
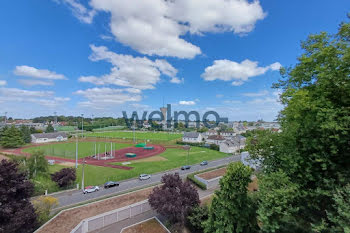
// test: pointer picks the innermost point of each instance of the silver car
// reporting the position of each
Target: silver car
(90, 189)
(144, 177)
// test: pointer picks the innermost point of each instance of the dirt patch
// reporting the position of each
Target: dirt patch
(67, 164)
(67, 220)
(149, 226)
(152, 159)
(213, 174)
(3, 157)
(253, 186)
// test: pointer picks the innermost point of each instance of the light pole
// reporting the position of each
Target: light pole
(82, 125)
(76, 151)
(82, 180)
(5, 118)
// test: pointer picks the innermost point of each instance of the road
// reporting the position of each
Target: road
(74, 197)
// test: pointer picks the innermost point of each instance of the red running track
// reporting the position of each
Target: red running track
(119, 157)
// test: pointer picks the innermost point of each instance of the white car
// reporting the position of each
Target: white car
(144, 177)
(90, 189)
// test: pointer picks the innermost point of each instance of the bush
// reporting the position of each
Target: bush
(197, 182)
(200, 144)
(195, 219)
(42, 183)
(214, 147)
(43, 206)
(64, 177)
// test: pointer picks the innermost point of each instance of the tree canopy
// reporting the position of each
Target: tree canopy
(313, 149)
(174, 199)
(16, 213)
(11, 137)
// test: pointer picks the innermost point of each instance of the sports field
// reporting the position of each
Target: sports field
(67, 150)
(140, 136)
(170, 159)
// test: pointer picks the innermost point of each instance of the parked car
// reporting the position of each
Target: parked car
(186, 167)
(90, 189)
(111, 184)
(144, 177)
(203, 163)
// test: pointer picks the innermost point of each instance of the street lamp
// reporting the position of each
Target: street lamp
(187, 147)
(82, 125)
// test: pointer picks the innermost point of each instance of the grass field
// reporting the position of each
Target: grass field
(159, 136)
(65, 128)
(67, 150)
(171, 158)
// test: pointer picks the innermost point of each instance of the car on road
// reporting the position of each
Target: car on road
(186, 167)
(111, 184)
(144, 177)
(90, 189)
(203, 163)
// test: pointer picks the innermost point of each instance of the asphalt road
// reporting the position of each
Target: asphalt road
(74, 197)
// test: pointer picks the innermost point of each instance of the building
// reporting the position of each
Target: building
(210, 132)
(228, 134)
(49, 137)
(215, 139)
(233, 145)
(193, 137)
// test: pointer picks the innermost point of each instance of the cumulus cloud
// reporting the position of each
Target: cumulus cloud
(183, 102)
(238, 73)
(3, 82)
(44, 98)
(156, 27)
(31, 82)
(100, 98)
(128, 71)
(28, 71)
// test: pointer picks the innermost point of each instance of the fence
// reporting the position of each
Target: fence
(102, 220)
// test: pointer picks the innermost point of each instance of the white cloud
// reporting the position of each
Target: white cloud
(237, 72)
(219, 95)
(128, 71)
(255, 94)
(102, 98)
(183, 102)
(3, 82)
(156, 27)
(31, 82)
(232, 102)
(43, 98)
(28, 71)
(79, 10)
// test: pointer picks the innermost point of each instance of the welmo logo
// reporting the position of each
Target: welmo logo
(164, 115)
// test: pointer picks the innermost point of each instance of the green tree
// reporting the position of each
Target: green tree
(233, 209)
(37, 164)
(49, 129)
(313, 147)
(26, 133)
(197, 217)
(11, 137)
(278, 198)
(341, 215)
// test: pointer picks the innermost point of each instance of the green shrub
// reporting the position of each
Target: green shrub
(196, 182)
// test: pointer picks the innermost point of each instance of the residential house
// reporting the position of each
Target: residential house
(228, 134)
(233, 145)
(49, 137)
(193, 137)
(210, 132)
(215, 139)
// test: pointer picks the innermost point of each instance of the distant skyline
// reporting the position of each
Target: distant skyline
(103, 57)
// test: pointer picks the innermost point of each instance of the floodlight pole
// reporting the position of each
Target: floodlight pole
(82, 180)
(76, 151)
(82, 125)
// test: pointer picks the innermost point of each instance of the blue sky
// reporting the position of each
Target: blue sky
(101, 57)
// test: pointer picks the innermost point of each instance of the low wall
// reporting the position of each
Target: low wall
(212, 183)
(102, 220)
